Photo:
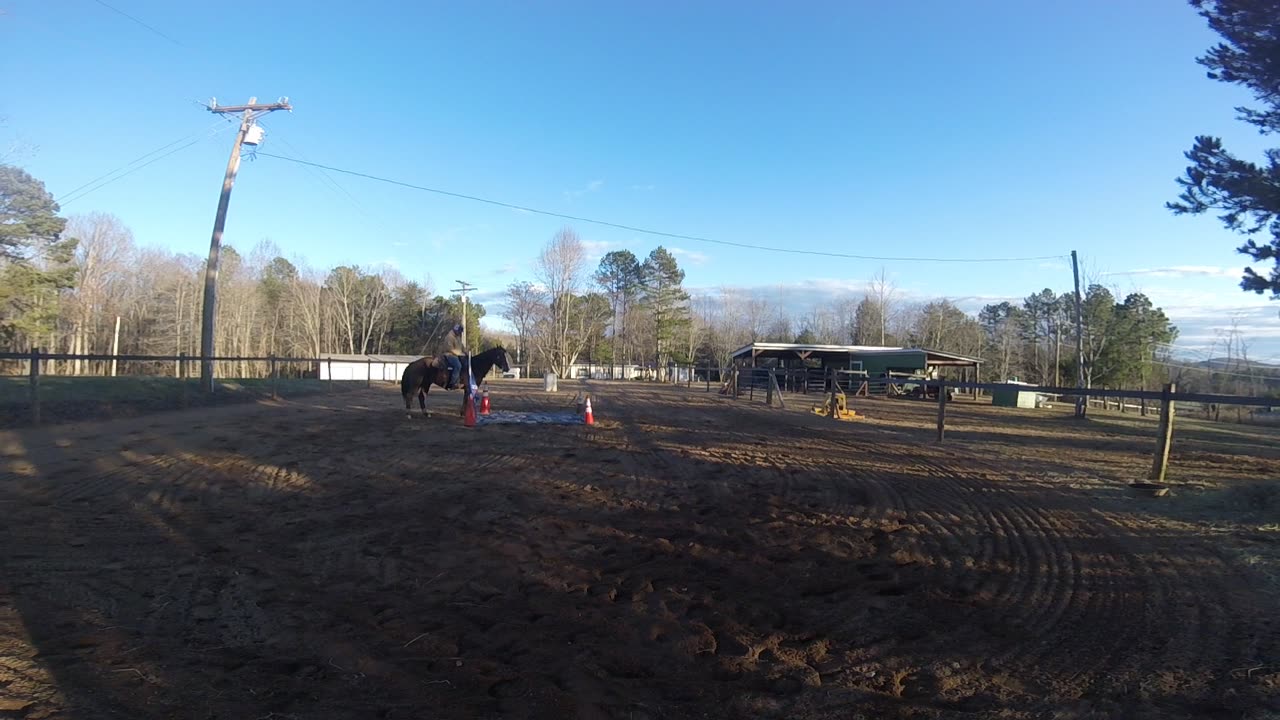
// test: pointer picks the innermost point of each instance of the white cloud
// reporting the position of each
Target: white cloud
(595, 249)
(489, 298)
(593, 186)
(692, 257)
(505, 269)
(644, 188)
(1180, 271)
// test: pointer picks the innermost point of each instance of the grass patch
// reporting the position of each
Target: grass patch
(67, 399)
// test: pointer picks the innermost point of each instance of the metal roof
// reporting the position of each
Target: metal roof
(799, 348)
(369, 358)
(932, 356)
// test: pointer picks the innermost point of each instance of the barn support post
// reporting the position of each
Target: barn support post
(274, 395)
(833, 391)
(942, 409)
(35, 386)
(368, 372)
(1164, 437)
(330, 363)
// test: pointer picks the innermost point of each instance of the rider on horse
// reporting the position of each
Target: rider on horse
(450, 350)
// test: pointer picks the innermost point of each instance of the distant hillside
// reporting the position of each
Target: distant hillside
(1239, 366)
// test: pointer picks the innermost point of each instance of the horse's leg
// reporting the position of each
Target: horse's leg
(422, 397)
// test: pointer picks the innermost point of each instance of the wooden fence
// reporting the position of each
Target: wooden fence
(1168, 398)
(36, 357)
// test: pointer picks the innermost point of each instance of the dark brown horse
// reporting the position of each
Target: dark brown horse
(424, 372)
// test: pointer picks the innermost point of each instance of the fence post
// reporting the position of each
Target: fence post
(775, 390)
(1164, 436)
(751, 391)
(942, 410)
(182, 377)
(833, 392)
(368, 372)
(35, 386)
(274, 372)
(330, 361)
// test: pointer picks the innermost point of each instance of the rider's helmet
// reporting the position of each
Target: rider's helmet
(457, 329)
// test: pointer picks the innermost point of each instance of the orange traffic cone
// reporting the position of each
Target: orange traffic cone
(484, 401)
(588, 418)
(469, 416)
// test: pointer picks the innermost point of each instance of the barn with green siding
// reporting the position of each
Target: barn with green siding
(876, 364)
(874, 360)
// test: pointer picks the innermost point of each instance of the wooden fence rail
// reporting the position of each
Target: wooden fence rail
(154, 358)
(36, 356)
(1129, 394)
(1168, 397)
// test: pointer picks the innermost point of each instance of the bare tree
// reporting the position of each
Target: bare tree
(561, 271)
(307, 303)
(885, 295)
(104, 256)
(521, 310)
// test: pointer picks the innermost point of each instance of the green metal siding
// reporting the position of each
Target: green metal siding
(1008, 397)
(879, 363)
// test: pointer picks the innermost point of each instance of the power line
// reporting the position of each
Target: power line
(136, 20)
(138, 159)
(646, 231)
(76, 194)
(325, 178)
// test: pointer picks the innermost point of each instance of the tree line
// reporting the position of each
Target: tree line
(627, 311)
(65, 281)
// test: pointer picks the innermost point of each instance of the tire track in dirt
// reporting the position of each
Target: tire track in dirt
(1119, 596)
(1050, 581)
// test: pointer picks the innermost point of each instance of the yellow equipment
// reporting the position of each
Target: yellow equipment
(842, 411)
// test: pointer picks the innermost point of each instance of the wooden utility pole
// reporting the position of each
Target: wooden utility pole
(1081, 404)
(464, 288)
(209, 314)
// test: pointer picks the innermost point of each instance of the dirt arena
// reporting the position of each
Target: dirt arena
(686, 557)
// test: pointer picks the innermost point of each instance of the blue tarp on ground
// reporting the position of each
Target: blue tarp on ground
(512, 417)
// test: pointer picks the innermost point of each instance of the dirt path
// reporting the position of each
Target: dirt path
(684, 558)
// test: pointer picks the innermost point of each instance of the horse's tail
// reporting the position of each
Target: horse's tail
(410, 380)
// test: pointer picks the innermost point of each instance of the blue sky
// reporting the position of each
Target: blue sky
(932, 129)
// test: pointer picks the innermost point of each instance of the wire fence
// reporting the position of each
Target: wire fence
(272, 373)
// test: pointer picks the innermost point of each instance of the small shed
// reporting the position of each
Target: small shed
(363, 367)
(1012, 397)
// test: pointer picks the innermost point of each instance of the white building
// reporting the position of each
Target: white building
(364, 367)
(596, 371)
